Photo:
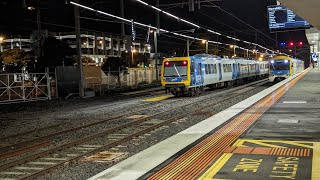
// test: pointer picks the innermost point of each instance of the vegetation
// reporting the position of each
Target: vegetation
(14, 60)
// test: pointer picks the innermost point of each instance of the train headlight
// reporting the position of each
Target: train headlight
(272, 61)
(286, 61)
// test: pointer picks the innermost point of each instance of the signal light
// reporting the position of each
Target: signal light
(300, 43)
(166, 63)
(291, 44)
(282, 44)
(184, 62)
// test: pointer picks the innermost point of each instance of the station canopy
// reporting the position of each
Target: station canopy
(309, 10)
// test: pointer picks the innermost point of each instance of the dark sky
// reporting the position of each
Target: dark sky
(56, 16)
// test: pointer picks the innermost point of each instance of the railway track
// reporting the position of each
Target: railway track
(42, 162)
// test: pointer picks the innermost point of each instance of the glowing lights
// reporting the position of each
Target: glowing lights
(272, 61)
(134, 51)
(232, 46)
(204, 41)
(286, 61)
(260, 59)
(291, 43)
(166, 63)
(184, 62)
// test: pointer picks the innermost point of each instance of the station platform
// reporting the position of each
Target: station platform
(274, 134)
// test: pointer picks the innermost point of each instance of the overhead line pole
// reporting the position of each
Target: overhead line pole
(78, 46)
(122, 15)
(156, 40)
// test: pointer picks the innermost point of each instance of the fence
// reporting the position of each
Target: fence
(21, 87)
(133, 78)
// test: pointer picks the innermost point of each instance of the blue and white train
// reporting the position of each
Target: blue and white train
(190, 75)
(282, 67)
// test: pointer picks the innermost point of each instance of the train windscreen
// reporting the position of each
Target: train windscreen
(175, 68)
(280, 65)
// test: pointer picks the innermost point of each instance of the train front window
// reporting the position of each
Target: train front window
(280, 65)
(175, 68)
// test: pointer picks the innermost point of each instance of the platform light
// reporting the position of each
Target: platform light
(204, 41)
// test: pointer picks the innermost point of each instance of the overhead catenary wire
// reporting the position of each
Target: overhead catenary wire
(148, 26)
(198, 26)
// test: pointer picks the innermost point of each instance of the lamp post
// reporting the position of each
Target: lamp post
(207, 45)
(133, 51)
(1, 39)
(234, 50)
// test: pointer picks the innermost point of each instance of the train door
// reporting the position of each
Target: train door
(220, 72)
(234, 71)
(192, 74)
(199, 74)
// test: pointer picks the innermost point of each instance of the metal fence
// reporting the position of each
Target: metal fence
(21, 87)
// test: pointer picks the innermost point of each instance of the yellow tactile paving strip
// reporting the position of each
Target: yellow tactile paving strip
(193, 162)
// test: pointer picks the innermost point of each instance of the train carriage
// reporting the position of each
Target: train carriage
(282, 67)
(190, 75)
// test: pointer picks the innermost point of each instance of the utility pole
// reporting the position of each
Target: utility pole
(156, 53)
(156, 40)
(78, 44)
(207, 47)
(39, 30)
(123, 33)
(188, 48)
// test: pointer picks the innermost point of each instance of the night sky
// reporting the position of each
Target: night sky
(56, 16)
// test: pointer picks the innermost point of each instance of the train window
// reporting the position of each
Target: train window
(244, 67)
(215, 69)
(206, 68)
(209, 68)
(192, 68)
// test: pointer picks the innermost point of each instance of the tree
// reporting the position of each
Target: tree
(14, 59)
(55, 53)
(116, 67)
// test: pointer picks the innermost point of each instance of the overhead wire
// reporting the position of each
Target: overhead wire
(149, 26)
(198, 26)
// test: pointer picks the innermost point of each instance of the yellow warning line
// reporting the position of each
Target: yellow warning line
(259, 142)
(160, 98)
(213, 170)
(266, 143)
(316, 162)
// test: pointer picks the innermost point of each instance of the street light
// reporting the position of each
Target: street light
(1, 39)
(207, 45)
(133, 51)
(234, 50)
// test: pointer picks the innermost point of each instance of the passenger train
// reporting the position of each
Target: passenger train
(190, 75)
(282, 67)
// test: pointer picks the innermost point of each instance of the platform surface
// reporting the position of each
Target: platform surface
(272, 135)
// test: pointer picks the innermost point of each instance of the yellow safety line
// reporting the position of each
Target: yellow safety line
(297, 144)
(316, 162)
(279, 141)
(258, 142)
(213, 170)
(160, 98)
